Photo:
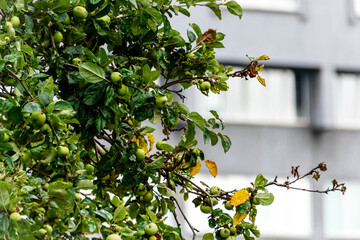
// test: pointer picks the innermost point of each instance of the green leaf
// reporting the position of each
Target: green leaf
(215, 8)
(198, 120)
(196, 29)
(155, 164)
(4, 223)
(32, 107)
(94, 93)
(260, 181)
(91, 72)
(151, 215)
(234, 8)
(155, 14)
(62, 105)
(3, 4)
(264, 199)
(120, 213)
(27, 49)
(146, 73)
(9, 161)
(100, 122)
(104, 214)
(25, 231)
(15, 114)
(85, 184)
(208, 236)
(191, 36)
(225, 141)
(4, 197)
(165, 191)
(44, 98)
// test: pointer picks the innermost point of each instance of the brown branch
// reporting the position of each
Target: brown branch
(187, 221)
(19, 80)
(101, 145)
(71, 65)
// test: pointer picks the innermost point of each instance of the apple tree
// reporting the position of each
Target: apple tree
(83, 86)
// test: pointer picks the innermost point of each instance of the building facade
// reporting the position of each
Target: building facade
(308, 113)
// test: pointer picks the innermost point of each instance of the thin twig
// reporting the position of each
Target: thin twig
(20, 81)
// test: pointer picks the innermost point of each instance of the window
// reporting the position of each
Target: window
(347, 94)
(271, 5)
(250, 102)
(342, 213)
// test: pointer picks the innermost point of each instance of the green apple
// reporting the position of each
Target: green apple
(233, 230)
(161, 101)
(77, 197)
(140, 232)
(113, 236)
(205, 86)
(123, 90)
(152, 237)
(7, 26)
(196, 151)
(116, 77)
(42, 232)
(215, 190)
(11, 32)
(214, 201)
(89, 168)
(140, 154)
(80, 13)
(48, 228)
(159, 145)
(141, 190)
(151, 229)
(118, 228)
(228, 206)
(26, 155)
(58, 37)
(105, 18)
(67, 20)
(190, 55)
(148, 196)
(76, 61)
(231, 238)
(15, 21)
(15, 216)
(205, 208)
(4, 137)
(45, 128)
(225, 232)
(38, 119)
(62, 151)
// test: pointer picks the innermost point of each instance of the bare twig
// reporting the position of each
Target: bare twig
(19, 80)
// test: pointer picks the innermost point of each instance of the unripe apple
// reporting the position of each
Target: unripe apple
(205, 86)
(196, 151)
(151, 229)
(118, 228)
(190, 55)
(153, 237)
(228, 206)
(45, 128)
(26, 156)
(140, 154)
(148, 196)
(123, 90)
(11, 32)
(225, 232)
(170, 97)
(48, 228)
(215, 190)
(116, 77)
(233, 230)
(67, 20)
(214, 201)
(159, 145)
(58, 37)
(15, 216)
(141, 190)
(80, 13)
(4, 137)
(113, 236)
(116, 201)
(140, 232)
(62, 151)
(7, 26)
(38, 119)
(205, 208)
(77, 197)
(89, 168)
(161, 101)
(231, 238)
(42, 232)
(15, 21)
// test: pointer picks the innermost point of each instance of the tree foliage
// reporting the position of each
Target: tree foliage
(82, 85)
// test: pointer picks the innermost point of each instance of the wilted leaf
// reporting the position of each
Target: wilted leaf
(195, 169)
(239, 197)
(208, 37)
(212, 167)
(261, 80)
(151, 139)
(239, 217)
(263, 57)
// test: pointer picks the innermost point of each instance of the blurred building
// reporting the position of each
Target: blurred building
(308, 113)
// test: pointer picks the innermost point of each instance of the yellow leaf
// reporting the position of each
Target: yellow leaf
(212, 167)
(239, 217)
(195, 169)
(261, 80)
(263, 57)
(151, 141)
(239, 197)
